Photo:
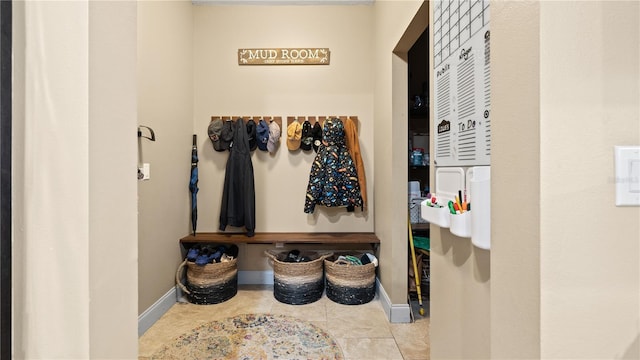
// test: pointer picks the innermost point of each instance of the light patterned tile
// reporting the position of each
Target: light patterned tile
(373, 304)
(369, 348)
(315, 311)
(321, 324)
(413, 339)
(359, 329)
(366, 320)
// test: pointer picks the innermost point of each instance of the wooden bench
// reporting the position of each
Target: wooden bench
(284, 238)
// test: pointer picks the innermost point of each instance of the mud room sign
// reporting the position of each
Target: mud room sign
(284, 56)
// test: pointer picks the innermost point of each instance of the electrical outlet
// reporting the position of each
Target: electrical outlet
(144, 172)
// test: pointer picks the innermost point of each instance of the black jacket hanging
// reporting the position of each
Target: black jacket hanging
(333, 181)
(238, 196)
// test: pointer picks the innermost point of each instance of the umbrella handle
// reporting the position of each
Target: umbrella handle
(153, 135)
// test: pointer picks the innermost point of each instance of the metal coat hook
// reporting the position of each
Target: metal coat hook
(153, 135)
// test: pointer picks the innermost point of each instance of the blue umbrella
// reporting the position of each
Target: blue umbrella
(193, 184)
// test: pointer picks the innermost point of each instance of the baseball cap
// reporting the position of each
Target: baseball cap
(251, 133)
(307, 138)
(262, 134)
(294, 134)
(316, 133)
(214, 130)
(274, 136)
(226, 135)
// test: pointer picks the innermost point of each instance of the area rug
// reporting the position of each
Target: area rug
(253, 336)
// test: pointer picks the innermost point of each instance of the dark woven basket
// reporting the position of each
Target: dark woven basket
(211, 283)
(297, 283)
(350, 284)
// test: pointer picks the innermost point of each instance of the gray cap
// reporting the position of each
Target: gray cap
(274, 136)
(214, 130)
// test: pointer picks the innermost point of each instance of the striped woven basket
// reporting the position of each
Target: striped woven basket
(211, 283)
(297, 283)
(350, 284)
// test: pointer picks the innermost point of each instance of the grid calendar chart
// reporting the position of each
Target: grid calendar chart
(462, 102)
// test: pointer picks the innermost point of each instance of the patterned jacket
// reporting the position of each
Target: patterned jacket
(333, 181)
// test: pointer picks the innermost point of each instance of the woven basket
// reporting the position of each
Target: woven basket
(297, 283)
(350, 284)
(415, 211)
(211, 283)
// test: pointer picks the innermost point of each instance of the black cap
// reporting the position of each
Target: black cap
(251, 133)
(307, 138)
(226, 135)
(316, 133)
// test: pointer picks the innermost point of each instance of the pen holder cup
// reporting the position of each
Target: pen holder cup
(435, 215)
(461, 224)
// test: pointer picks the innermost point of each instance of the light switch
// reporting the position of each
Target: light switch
(627, 169)
(634, 176)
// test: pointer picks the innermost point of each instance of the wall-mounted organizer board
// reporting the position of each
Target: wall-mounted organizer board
(462, 125)
(461, 73)
(474, 184)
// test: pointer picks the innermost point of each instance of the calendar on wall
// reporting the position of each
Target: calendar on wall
(462, 124)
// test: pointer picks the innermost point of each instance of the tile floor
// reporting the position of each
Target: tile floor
(362, 331)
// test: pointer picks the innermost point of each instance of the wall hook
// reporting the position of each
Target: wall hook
(153, 135)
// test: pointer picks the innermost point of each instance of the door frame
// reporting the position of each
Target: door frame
(6, 34)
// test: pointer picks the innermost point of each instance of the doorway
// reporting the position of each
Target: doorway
(5, 178)
(418, 171)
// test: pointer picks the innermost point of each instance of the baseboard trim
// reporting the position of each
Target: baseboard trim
(396, 313)
(162, 305)
(155, 311)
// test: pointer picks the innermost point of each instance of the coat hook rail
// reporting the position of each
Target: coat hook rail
(267, 118)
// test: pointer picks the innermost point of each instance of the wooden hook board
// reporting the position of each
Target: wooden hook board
(267, 118)
(320, 119)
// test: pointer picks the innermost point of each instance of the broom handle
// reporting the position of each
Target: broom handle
(415, 265)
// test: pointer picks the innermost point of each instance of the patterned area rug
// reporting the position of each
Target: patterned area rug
(253, 336)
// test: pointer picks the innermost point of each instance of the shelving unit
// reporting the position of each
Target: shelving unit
(418, 108)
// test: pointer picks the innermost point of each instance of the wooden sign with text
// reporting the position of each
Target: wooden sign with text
(284, 56)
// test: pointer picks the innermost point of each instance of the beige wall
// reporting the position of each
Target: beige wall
(564, 283)
(165, 103)
(222, 87)
(391, 123)
(461, 282)
(112, 214)
(589, 93)
(74, 196)
(515, 163)
(557, 291)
